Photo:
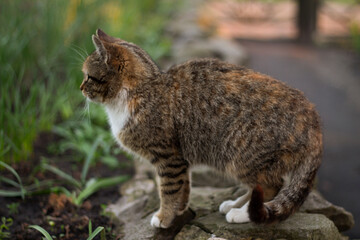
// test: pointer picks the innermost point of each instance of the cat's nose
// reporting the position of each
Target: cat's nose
(82, 86)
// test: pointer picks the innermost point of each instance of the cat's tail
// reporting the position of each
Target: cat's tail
(289, 198)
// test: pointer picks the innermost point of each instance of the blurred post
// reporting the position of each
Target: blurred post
(306, 19)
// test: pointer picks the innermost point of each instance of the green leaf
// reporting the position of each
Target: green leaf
(98, 184)
(6, 193)
(96, 232)
(22, 190)
(9, 181)
(89, 157)
(90, 228)
(62, 174)
(43, 231)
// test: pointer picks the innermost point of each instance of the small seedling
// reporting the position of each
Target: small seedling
(4, 227)
(92, 234)
(13, 208)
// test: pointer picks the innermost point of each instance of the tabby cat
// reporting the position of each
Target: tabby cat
(244, 124)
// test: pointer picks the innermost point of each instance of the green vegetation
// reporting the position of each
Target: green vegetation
(13, 208)
(92, 233)
(80, 133)
(42, 46)
(355, 37)
(4, 227)
(83, 188)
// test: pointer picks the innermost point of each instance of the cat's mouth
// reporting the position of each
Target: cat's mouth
(92, 98)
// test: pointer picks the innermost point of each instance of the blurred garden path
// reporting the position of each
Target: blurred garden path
(330, 78)
(269, 19)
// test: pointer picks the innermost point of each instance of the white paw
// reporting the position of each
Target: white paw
(156, 222)
(238, 215)
(226, 206)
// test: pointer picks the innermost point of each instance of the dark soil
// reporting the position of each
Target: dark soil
(55, 212)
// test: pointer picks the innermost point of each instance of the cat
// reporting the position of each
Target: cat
(244, 124)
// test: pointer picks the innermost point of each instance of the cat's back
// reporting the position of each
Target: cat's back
(216, 82)
(217, 101)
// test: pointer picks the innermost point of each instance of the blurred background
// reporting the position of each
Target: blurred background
(312, 45)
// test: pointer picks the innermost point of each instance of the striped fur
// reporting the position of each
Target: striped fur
(240, 122)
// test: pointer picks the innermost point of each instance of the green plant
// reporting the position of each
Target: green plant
(5, 225)
(42, 46)
(37, 187)
(84, 187)
(92, 234)
(9, 181)
(78, 135)
(355, 36)
(13, 208)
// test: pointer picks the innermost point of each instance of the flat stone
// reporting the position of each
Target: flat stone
(214, 47)
(192, 232)
(206, 176)
(298, 226)
(315, 203)
(204, 200)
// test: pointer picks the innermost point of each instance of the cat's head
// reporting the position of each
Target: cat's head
(114, 65)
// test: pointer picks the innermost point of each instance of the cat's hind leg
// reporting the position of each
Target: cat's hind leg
(241, 215)
(226, 206)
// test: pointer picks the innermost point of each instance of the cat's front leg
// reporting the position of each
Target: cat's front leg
(174, 190)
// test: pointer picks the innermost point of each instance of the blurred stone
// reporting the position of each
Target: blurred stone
(205, 200)
(212, 47)
(315, 203)
(137, 188)
(206, 176)
(192, 232)
(189, 41)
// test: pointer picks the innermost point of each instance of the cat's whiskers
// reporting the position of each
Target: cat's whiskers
(82, 53)
(86, 111)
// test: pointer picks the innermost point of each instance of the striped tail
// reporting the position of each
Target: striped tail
(288, 200)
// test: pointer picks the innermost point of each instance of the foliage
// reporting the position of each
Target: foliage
(18, 184)
(78, 134)
(13, 207)
(4, 227)
(42, 46)
(355, 36)
(92, 234)
(83, 187)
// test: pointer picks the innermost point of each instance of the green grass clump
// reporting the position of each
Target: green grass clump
(42, 47)
(92, 234)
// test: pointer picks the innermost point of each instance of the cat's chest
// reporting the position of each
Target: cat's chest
(117, 120)
(118, 116)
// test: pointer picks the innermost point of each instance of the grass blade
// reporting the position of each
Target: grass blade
(62, 174)
(43, 231)
(90, 227)
(8, 167)
(9, 181)
(89, 157)
(99, 184)
(6, 193)
(96, 232)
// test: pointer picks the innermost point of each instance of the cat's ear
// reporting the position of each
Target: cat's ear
(104, 37)
(100, 48)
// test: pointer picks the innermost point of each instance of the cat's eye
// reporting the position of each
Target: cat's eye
(95, 79)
